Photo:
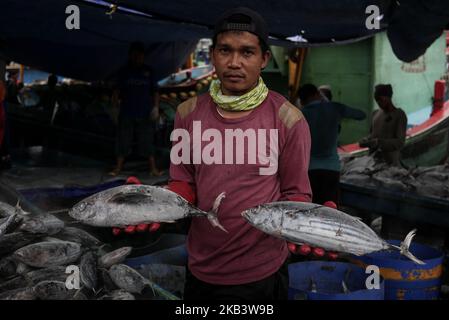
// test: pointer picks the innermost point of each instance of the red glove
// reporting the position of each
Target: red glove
(305, 249)
(152, 227)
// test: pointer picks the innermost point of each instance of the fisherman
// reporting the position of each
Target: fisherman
(50, 96)
(12, 87)
(388, 128)
(139, 108)
(243, 263)
(324, 118)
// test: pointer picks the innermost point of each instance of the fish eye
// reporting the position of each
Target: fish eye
(82, 206)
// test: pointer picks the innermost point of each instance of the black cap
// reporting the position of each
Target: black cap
(243, 19)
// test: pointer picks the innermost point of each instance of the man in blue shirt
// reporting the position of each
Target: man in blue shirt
(139, 107)
(324, 119)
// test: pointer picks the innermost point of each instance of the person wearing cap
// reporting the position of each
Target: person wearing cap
(324, 118)
(243, 263)
(139, 108)
(388, 128)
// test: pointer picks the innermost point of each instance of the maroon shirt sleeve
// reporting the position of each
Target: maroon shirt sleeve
(294, 163)
(182, 176)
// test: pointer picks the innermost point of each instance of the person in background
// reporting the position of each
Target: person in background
(324, 118)
(12, 89)
(50, 95)
(136, 92)
(388, 128)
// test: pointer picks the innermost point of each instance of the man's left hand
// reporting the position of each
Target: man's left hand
(306, 250)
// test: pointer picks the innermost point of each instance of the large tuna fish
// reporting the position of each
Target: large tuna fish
(320, 226)
(136, 204)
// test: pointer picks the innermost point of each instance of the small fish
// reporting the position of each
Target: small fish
(7, 224)
(42, 224)
(88, 270)
(12, 241)
(132, 281)
(48, 254)
(136, 204)
(8, 267)
(14, 283)
(114, 257)
(18, 294)
(7, 210)
(52, 273)
(323, 227)
(52, 290)
(79, 236)
(128, 279)
(106, 282)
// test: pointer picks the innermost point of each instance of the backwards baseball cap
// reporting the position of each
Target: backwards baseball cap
(243, 19)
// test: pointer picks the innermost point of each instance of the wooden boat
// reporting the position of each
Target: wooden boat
(188, 82)
(426, 144)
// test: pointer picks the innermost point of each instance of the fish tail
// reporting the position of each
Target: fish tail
(405, 247)
(212, 215)
(162, 292)
(19, 210)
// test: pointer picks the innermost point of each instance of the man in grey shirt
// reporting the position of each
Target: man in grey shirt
(388, 127)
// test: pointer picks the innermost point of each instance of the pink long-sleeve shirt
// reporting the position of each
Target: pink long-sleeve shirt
(244, 254)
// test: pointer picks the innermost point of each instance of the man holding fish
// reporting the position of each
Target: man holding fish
(254, 192)
(243, 263)
(236, 147)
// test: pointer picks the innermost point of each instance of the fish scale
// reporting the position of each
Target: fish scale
(320, 226)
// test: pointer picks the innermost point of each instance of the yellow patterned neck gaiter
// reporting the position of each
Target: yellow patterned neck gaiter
(248, 101)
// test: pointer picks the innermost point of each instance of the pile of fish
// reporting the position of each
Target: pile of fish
(426, 181)
(320, 226)
(42, 258)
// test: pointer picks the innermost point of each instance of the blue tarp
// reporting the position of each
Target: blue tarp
(412, 25)
(34, 33)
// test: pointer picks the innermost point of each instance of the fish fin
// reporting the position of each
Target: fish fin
(212, 215)
(405, 246)
(19, 209)
(162, 292)
(98, 292)
(130, 198)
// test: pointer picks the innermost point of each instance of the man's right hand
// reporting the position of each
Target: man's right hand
(151, 227)
(143, 227)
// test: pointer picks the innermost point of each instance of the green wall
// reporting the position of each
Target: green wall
(352, 71)
(347, 69)
(413, 83)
